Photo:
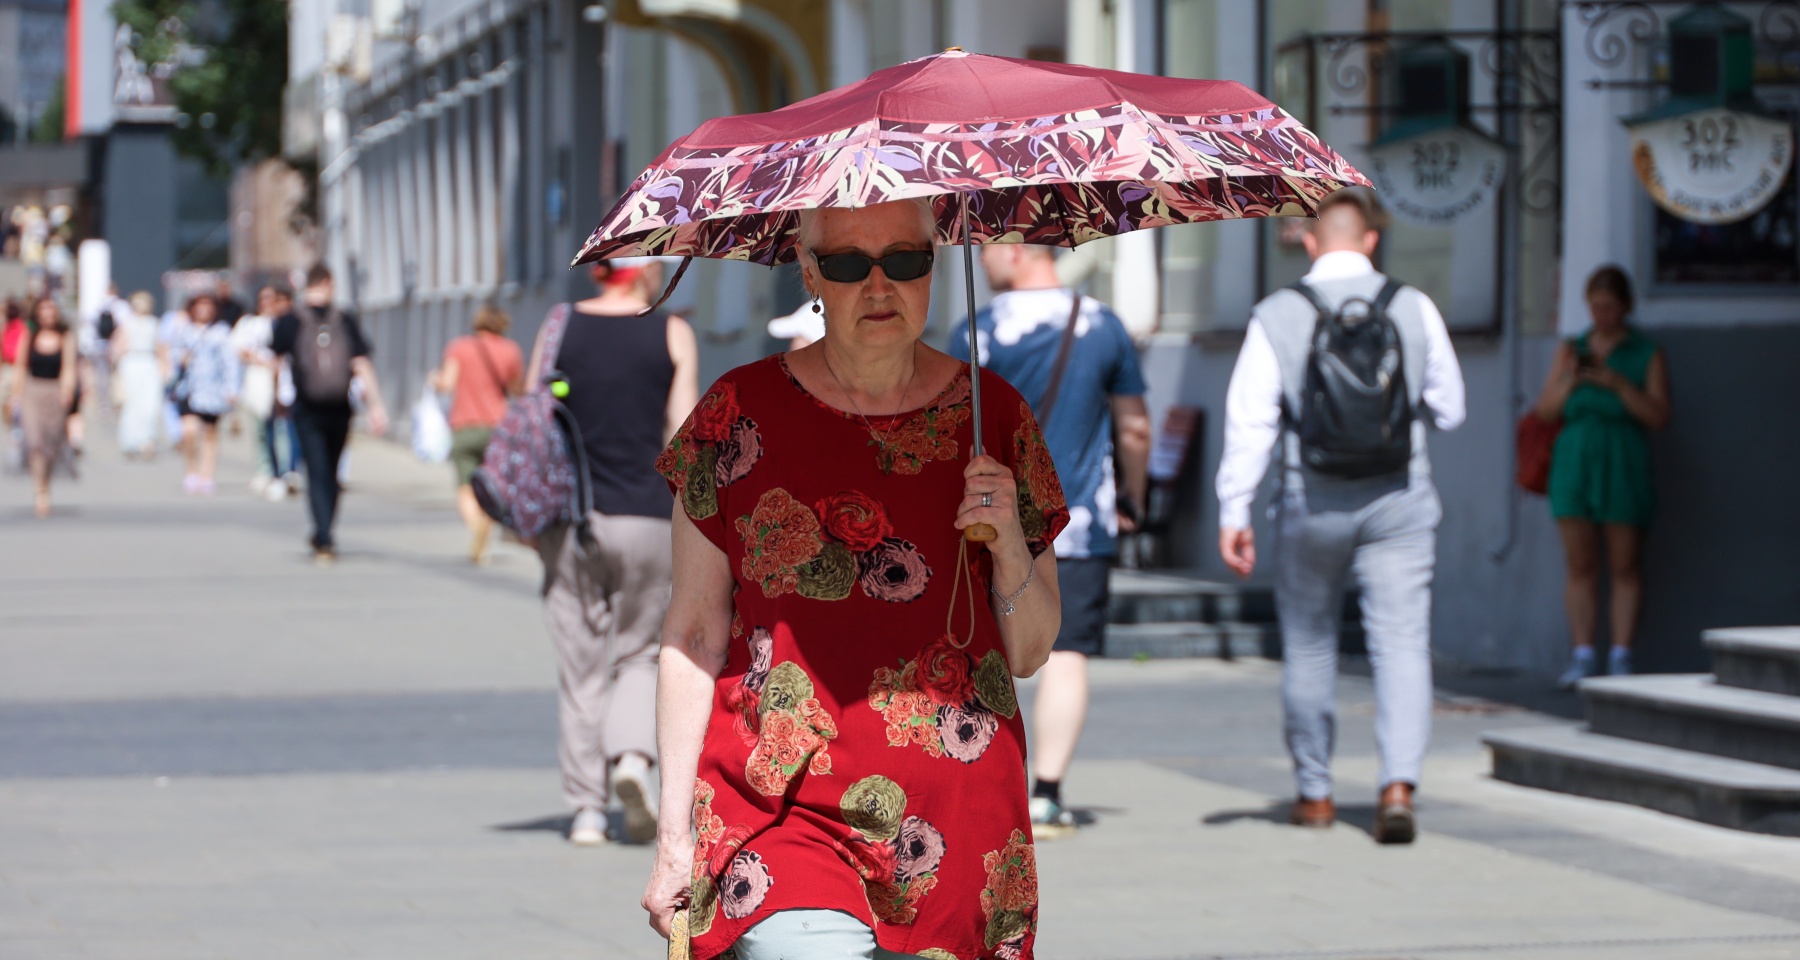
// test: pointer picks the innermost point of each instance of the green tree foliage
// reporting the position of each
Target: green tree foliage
(49, 125)
(229, 66)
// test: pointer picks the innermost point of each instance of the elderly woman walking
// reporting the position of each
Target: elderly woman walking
(836, 704)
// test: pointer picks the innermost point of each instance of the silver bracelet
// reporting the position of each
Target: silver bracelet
(1006, 603)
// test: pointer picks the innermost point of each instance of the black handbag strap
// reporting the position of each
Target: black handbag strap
(1063, 349)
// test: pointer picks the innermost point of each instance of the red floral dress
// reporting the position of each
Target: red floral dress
(865, 751)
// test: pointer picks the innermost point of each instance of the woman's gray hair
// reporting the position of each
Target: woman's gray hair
(807, 233)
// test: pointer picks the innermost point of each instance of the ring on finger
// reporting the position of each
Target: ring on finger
(987, 499)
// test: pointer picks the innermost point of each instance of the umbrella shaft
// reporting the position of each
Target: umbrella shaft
(968, 246)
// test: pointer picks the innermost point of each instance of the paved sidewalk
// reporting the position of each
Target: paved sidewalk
(211, 749)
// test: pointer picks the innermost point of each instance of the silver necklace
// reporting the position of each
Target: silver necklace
(882, 437)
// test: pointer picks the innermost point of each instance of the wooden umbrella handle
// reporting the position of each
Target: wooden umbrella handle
(980, 533)
(680, 944)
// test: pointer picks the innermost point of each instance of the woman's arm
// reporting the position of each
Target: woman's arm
(696, 635)
(1558, 384)
(444, 378)
(537, 357)
(70, 380)
(1648, 404)
(17, 392)
(1030, 631)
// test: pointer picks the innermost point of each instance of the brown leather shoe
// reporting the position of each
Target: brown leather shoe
(1394, 819)
(1316, 814)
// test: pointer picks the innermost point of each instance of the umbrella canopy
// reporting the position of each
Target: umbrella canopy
(1046, 153)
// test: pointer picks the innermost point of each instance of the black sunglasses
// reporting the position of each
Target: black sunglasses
(901, 265)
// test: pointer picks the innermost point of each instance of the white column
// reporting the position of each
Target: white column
(472, 227)
(404, 207)
(511, 217)
(446, 234)
(849, 41)
(1136, 275)
(487, 185)
(425, 224)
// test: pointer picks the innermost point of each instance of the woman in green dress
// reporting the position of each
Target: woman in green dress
(1608, 387)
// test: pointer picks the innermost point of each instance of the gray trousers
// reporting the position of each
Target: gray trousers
(1388, 542)
(605, 614)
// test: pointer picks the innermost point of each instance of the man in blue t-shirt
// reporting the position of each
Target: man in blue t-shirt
(1081, 393)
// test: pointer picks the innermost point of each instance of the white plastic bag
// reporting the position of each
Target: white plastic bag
(430, 428)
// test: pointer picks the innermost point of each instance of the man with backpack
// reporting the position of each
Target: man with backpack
(1071, 358)
(1346, 368)
(325, 350)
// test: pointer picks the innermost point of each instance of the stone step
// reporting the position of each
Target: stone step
(1169, 596)
(1757, 658)
(1691, 712)
(1727, 793)
(1161, 641)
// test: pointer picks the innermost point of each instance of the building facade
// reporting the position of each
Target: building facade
(466, 158)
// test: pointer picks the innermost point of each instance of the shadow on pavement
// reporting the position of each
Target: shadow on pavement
(556, 823)
(1359, 816)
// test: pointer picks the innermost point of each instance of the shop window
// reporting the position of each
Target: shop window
(1763, 249)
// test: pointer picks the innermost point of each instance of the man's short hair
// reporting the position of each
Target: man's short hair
(316, 274)
(1362, 200)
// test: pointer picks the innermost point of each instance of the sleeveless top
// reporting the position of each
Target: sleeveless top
(1631, 358)
(43, 366)
(1600, 467)
(619, 374)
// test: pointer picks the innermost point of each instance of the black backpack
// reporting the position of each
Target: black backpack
(1355, 413)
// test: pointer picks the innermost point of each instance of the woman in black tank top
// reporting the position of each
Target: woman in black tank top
(619, 374)
(630, 381)
(43, 393)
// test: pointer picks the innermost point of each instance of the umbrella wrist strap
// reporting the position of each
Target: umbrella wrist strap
(670, 289)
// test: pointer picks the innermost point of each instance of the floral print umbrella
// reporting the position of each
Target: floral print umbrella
(1045, 153)
(1008, 151)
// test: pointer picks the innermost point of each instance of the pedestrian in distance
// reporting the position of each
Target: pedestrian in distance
(14, 334)
(172, 334)
(230, 310)
(325, 349)
(481, 372)
(206, 391)
(139, 376)
(1608, 387)
(843, 759)
(629, 379)
(1346, 368)
(97, 349)
(43, 393)
(285, 437)
(1072, 359)
(251, 337)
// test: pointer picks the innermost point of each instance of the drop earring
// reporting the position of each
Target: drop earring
(817, 308)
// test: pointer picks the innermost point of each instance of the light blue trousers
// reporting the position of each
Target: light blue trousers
(812, 935)
(1388, 542)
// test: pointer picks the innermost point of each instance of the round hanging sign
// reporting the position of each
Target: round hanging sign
(1713, 166)
(1434, 178)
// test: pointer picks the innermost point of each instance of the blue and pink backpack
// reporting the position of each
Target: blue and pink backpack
(535, 473)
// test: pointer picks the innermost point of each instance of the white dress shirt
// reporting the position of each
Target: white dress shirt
(1253, 401)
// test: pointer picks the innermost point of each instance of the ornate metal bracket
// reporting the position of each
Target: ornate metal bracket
(1617, 29)
(1525, 67)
